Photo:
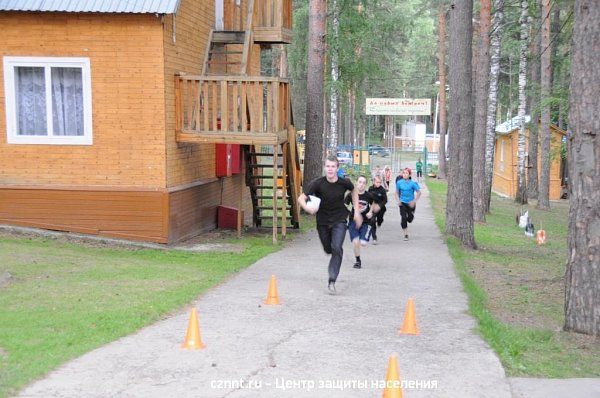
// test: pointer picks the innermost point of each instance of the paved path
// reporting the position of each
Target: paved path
(312, 337)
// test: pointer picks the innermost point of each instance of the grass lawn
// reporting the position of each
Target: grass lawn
(516, 290)
(60, 300)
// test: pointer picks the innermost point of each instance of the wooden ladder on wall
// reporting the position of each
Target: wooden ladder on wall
(273, 176)
(228, 51)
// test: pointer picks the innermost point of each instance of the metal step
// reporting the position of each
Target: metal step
(266, 177)
(265, 154)
(269, 197)
(287, 226)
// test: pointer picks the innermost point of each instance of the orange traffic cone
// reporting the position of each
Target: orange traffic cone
(272, 297)
(410, 322)
(192, 337)
(392, 388)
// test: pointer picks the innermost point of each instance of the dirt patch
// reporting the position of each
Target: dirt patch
(518, 298)
(210, 241)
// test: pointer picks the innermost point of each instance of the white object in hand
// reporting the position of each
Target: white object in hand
(313, 203)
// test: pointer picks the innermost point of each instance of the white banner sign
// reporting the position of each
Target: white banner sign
(398, 106)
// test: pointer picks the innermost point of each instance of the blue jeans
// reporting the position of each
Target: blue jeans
(332, 239)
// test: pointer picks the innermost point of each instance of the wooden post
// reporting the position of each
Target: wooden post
(270, 118)
(258, 95)
(214, 105)
(279, 14)
(189, 92)
(224, 107)
(274, 205)
(235, 109)
(275, 112)
(240, 206)
(197, 96)
(205, 104)
(178, 121)
(283, 194)
(244, 117)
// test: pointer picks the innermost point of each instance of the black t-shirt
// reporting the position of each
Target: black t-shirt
(365, 200)
(332, 209)
(379, 195)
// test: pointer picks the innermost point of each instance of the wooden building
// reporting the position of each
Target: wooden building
(139, 119)
(506, 161)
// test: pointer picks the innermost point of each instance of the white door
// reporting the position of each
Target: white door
(219, 11)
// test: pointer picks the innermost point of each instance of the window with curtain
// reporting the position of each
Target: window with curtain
(48, 100)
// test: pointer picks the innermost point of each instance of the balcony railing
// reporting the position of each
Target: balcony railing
(265, 14)
(269, 20)
(273, 14)
(232, 108)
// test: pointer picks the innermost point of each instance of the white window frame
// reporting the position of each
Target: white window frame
(10, 99)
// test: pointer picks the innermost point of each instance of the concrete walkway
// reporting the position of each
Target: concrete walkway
(314, 344)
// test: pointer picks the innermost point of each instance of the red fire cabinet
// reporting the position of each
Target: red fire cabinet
(227, 159)
(235, 159)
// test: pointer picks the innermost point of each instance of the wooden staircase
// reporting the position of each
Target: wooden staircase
(226, 105)
(227, 53)
(273, 176)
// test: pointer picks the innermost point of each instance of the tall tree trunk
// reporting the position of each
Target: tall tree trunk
(554, 32)
(351, 116)
(532, 151)
(521, 196)
(313, 156)
(442, 88)
(333, 100)
(490, 133)
(544, 187)
(582, 280)
(481, 97)
(459, 209)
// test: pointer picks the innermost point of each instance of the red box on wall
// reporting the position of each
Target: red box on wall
(227, 217)
(223, 160)
(236, 166)
(227, 159)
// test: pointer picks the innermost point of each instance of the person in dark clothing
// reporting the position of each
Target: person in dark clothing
(379, 194)
(358, 234)
(419, 167)
(331, 214)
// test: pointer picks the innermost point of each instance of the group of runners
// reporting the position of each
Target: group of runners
(366, 214)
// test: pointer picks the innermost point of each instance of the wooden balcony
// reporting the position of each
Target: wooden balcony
(272, 21)
(232, 109)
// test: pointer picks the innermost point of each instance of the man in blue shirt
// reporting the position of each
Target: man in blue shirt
(407, 195)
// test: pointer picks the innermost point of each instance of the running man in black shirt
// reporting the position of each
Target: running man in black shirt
(332, 214)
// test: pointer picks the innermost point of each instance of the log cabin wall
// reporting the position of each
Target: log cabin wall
(125, 53)
(506, 160)
(122, 185)
(114, 187)
(194, 190)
